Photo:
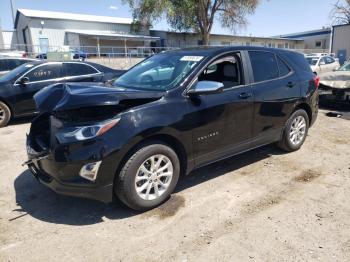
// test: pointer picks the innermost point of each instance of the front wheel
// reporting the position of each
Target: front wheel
(5, 114)
(148, 177)
(295, 131)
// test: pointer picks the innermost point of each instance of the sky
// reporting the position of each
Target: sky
(271, 18)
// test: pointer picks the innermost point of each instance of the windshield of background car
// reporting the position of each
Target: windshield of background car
(312, 60)
(345, 67)
(160, 72)
(16, 72)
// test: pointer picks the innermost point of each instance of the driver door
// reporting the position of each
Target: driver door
(222, 123)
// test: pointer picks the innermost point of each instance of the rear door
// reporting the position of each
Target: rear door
(39, 77)
(276, 89)
(80, 72)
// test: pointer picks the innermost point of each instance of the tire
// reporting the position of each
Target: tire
(126, 187)
(290, 142)
(5, 114)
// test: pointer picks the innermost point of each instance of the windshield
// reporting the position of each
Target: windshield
(345, 67)
(312, 60)
(16, 72)
(160, 72)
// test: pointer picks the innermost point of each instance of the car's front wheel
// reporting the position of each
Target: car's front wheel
(295, 131)
(148, 177)
(5, 114)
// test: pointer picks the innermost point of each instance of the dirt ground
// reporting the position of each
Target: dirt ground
(264, 205)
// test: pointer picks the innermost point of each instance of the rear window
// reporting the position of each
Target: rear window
(3, 65)
(299, 62)
(284, 69)
(75, 69)
(264, 65)
(13, 63)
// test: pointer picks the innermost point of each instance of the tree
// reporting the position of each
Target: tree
(341, 12)
(193, 15)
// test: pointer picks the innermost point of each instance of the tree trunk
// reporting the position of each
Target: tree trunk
(205, 38)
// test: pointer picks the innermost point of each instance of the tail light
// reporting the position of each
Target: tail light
(317, 81)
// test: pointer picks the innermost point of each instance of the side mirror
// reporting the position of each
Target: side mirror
(24, 80)
(206, 88)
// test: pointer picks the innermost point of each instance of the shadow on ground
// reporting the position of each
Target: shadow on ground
(43, 204)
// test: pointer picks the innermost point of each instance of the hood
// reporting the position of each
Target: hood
(336, 79)
(60, 97)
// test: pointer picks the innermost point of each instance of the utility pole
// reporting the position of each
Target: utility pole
(13, 20)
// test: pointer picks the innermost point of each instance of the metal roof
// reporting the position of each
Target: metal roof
(114, 35)
(73, 16)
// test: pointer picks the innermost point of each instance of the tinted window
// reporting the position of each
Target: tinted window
(3, 65)
(284, 69)
(264, 65)
(299, 62)
(329, 60)
(13, 63)
(73, 69)
(45, 72)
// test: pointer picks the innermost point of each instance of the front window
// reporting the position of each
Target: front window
(160, 72)
(312, 60)
(16, 72)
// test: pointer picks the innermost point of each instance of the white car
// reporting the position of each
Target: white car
(322, 64)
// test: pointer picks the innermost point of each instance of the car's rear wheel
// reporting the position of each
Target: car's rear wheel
(5, 114)
(148, 177)
(295, 131)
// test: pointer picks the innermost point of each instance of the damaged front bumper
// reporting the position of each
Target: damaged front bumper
(58, 166)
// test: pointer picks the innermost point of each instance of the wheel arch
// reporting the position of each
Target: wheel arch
(169, 140)
(8, 105)
(306, 108)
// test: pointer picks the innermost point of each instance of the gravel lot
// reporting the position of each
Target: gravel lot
(264, 205)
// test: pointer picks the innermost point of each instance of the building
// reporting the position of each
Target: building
(43, 31)
(341, 42)
(315, 40)
(176, 39)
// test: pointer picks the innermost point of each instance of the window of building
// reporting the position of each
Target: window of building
(286, 45)
(318, 44)
(279, 45)
(264, 65)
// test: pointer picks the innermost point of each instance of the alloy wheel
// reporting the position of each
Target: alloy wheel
(153, 177)
(297, 130)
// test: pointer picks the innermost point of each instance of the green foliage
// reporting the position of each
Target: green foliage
(193, 15)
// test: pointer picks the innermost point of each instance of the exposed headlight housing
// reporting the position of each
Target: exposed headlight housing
(80, 133)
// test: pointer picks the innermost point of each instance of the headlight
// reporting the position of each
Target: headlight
(80, 133)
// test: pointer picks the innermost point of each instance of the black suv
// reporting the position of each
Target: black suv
(169, 114)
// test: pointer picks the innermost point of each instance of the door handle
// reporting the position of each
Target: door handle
(245, 95)
(290, 84)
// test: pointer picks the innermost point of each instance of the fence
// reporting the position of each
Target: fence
(119, 57)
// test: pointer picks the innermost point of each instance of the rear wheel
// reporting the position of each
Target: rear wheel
(148, 177)
(295, 131)
(5, 114)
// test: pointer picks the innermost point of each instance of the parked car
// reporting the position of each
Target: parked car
(135, 139)
(335, 86)
(322, 64)
(13, 53)
(19, 85)
(9, 63)
(75, 54)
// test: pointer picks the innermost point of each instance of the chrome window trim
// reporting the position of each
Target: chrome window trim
(73, 62)
(56, 79)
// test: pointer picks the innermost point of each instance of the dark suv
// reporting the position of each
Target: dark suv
(169, 114)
